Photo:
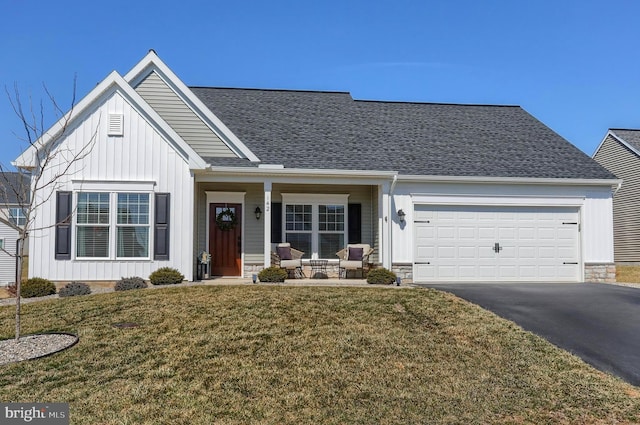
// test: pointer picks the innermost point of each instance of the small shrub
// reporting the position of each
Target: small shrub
(128, 283)
(37, 287)
(74, 289)
(381, 276)
(166, 276)
(11, 289)
(272, 274)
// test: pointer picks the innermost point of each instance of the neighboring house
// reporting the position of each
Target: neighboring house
(619, 152)
(442, 192)
(14, 188)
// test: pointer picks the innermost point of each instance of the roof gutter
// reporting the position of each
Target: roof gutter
(510, 180)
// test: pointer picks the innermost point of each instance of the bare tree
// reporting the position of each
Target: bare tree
(29, 187)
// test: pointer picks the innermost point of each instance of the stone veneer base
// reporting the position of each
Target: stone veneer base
(600, 272)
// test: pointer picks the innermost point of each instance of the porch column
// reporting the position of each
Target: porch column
(267, 223)
(385, 234)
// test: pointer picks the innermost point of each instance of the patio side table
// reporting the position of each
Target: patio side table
(319, 268)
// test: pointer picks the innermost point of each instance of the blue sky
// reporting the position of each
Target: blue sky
(572, 64)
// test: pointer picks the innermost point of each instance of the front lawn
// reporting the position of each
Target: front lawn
(304, 355)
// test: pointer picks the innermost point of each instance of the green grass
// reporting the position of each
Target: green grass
(627, 274)
(303, 355)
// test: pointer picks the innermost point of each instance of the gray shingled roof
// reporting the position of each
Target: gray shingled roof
(329, 130)
(632, 137)
(12, 187)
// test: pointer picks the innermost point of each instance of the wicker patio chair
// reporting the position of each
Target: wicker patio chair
(289, 259)
(354, 257)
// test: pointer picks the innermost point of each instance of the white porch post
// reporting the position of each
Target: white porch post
(385, 234)
(267, 223)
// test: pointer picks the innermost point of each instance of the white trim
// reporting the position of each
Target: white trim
(499, 200)
(113, 228)
(315, 198)
(113, 185)
(151, 62)
(112, 84)
(311, 172)
(215, 197)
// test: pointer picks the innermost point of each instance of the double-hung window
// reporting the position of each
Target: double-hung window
(112, 225)
(17, 216)
(133, 225)
(331, 230)
(315, 224)
(93, 223)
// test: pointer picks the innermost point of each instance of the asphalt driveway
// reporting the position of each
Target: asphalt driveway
(599, 323)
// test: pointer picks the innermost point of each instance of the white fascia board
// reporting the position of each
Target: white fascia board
(116, 83)
(151, 62)
(509, 180)
(310, 172)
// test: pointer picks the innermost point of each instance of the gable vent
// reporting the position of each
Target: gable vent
(116, 125)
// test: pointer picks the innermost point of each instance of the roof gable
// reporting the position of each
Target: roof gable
(321, 130)
(191, 107)
(629, 137)
(113, 82)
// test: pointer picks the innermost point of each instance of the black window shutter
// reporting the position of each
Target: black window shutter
(276, 222)
(161, 229)
(355, 223)
(63, 225)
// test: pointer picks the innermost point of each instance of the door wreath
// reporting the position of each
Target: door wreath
(226, 220)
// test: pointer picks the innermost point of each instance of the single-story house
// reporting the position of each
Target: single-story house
(619, 152)
(442, 192)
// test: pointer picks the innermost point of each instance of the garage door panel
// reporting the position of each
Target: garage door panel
(547, 252)
(459, 243)
(525, 233)
(467, 233)
(467, 252)
(547, 233)
(567, 253)
(487, 233)
(446, 233)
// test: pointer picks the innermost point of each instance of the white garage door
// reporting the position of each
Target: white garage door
(466, 244)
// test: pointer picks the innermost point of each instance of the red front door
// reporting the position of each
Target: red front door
(225, 239)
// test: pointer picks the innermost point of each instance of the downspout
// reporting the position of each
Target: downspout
(618, 186)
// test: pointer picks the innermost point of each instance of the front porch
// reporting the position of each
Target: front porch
(316, 216)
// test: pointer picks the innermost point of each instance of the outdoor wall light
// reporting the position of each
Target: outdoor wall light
(401, 215)
(258, 213)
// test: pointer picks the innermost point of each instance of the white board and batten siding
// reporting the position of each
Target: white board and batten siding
(141, 157)
(544, 233)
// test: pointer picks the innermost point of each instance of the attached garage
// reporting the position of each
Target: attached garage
(495, 243)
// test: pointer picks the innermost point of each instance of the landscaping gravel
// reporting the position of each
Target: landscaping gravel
(34, 346)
